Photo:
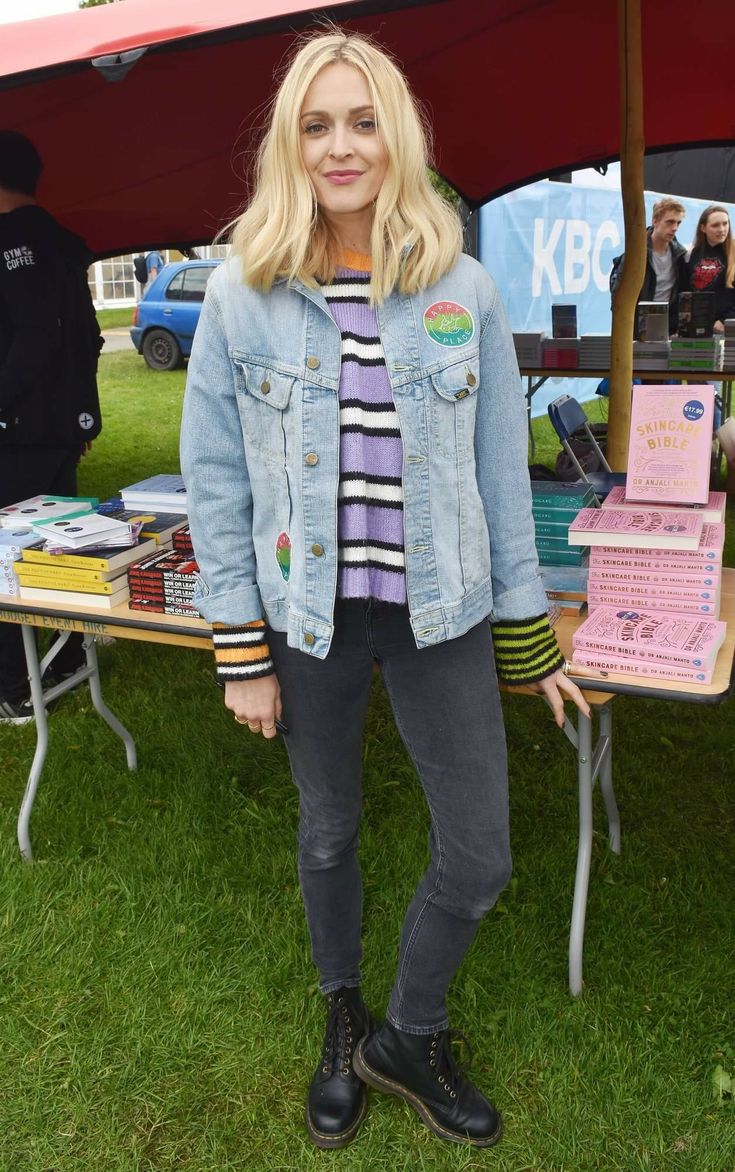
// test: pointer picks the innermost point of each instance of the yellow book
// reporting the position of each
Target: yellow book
(84, 582)
(54, 574)
(118, 559)
(55, 597)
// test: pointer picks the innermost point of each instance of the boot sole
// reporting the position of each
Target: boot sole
(323, 1139)
(381, 1083)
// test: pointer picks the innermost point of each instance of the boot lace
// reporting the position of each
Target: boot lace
(448, 1071)
(339, 1037)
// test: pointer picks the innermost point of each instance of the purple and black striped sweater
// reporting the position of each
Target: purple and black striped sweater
(370, 502)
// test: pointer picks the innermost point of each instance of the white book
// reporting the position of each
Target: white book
(76, 532)
(42, 508)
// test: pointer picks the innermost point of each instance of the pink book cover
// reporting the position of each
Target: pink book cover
(677, 563)
(642, 668)
(644, 529)
(670, 444)
(606, 577)
(652, 634)
(621, 598)
(710, 547)
(713, 510)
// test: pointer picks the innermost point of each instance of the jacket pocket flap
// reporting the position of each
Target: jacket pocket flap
(263, 382)
(457, 381)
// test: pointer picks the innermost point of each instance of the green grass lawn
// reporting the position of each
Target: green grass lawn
(158, 1007)
(110, 319)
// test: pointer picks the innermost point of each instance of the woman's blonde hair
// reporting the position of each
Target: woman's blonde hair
(700, 240)
(281, 234)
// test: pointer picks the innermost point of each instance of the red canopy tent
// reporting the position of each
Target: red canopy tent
(515, 89)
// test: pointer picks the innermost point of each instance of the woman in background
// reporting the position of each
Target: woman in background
(709, 265)
(354, 450)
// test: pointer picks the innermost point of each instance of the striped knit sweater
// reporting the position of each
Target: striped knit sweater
(370, 500)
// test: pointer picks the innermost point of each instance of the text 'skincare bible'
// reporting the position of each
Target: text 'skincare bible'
(670, 444)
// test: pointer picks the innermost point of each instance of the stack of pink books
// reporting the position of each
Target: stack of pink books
(648, 643)
(670, 561)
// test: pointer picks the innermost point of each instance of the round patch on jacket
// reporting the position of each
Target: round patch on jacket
(449, 324)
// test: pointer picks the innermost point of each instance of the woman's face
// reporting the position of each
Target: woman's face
(716, 227)
(342, 152)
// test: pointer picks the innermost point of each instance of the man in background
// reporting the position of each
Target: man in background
(661, 280)
(154, 264)
(49, 348)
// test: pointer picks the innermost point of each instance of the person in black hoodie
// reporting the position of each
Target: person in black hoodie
(49, 348)
(661, 281)
(709, 265)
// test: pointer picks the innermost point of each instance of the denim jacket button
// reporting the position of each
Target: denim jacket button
(309, 639)
(317, 550)
(313, 363)
(265, 386)
(311, 459)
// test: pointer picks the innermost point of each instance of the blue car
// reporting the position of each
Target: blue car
(165, 319)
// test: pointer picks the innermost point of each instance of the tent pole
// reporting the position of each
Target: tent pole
(632, 146)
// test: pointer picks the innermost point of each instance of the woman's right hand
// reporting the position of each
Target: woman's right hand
(256, 703)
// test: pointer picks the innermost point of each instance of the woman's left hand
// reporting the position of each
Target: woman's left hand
(556, 689)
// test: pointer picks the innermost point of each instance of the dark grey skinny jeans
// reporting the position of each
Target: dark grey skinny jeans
(446, 705)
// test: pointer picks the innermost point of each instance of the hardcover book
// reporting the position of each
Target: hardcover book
(644, 529)
(162, 491)
(77, 532)
(78, 597)
(158, 525)
(713, 511)
(709, 550)
(606, 576)
(642, 667)
(44, 508)
(112, 559)
(622, 599)
(670, 445)
(562, 493)
(651, 634)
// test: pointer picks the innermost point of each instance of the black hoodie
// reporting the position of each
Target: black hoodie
(49, 337)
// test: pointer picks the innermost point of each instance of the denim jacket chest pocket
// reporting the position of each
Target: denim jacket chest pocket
(264, 395)
(452, 405)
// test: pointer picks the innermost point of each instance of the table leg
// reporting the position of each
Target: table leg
(590, 764)
(39, 700)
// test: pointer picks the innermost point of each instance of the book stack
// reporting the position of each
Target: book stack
(163, 492)
(728, 349)
(643, 641)
(696, 353)
(594, 351)
(182, 541)
(528, 347)
(670, 561)
(652, 321)
(12, 543)
(86, 531)
(91, 578)
(560, 353)
(555, 505)
(564, 321)
(651, 355)
(160, 526)
(164, 583)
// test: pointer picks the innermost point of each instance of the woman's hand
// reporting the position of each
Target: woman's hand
(256, 703)
(556, 689)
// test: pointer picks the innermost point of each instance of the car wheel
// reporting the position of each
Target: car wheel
(161, 350)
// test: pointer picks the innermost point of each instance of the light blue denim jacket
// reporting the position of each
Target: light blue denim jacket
(260, 457)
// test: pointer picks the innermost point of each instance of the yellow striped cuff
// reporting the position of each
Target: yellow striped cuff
(241, 652)
(525, 650)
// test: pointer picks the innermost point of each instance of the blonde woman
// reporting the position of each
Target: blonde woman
(354, 449)
(709, 265)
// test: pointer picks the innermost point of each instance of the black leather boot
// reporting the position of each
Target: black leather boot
(421, 1069)
(337, 1099)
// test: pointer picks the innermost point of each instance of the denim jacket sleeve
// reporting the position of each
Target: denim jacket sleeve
(501, 449)
(215, 472)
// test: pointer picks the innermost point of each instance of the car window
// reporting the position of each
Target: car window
(175, 288)
(195, 282)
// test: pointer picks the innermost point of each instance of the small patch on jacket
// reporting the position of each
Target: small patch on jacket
(283, 555)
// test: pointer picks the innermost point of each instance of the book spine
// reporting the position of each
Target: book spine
(600, 575)
(639, 590)
(64, 583)
(64, 559)
(641, 667)
(626, 651)
(674, 605)
(53, 573)
(681, 563)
